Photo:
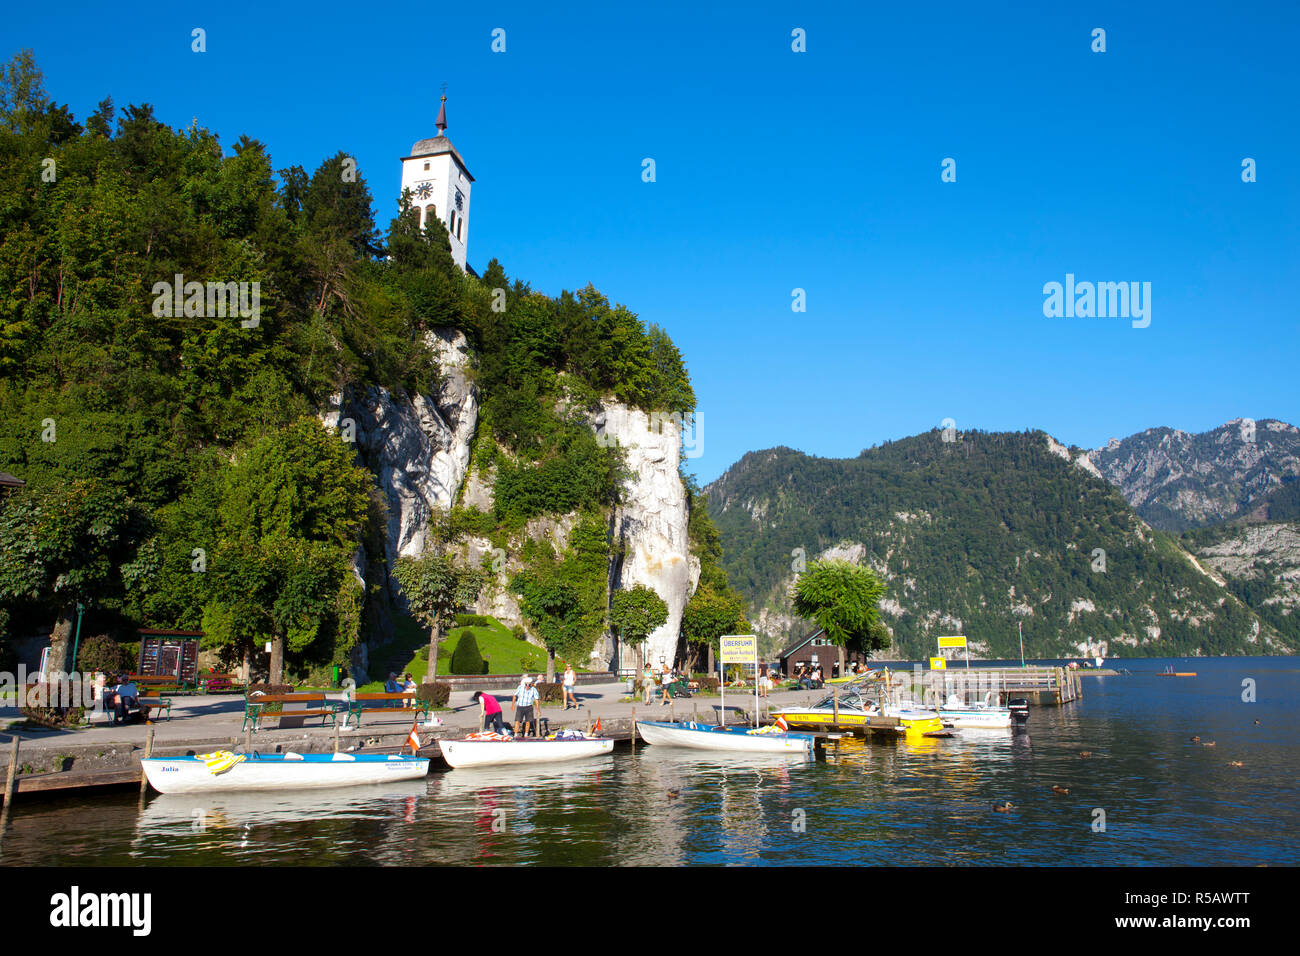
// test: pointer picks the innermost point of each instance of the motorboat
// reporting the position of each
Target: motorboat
(224, 771)
(696, 736)
(853, 711)
(979, 715)
(491, 749)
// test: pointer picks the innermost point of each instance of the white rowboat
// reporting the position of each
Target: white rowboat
(485, 753)
(708, 737)
(281, 772)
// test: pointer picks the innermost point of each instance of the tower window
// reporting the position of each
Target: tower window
(426, 165)
(451, 222)
(430, 213)
(460, 221)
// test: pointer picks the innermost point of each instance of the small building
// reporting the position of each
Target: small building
(170, 654)
(814, 649)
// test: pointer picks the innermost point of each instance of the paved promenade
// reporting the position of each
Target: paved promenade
(217, 719)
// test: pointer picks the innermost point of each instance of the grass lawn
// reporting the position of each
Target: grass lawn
(504, 653)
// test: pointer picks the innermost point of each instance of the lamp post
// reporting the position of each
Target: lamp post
(1020, 626)
(76, 640)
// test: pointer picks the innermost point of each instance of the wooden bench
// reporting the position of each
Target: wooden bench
(374, 704)
(313, 705)
(159, 685)
(150, 704)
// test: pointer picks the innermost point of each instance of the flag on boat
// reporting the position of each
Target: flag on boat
(781, 722)
(414, 739)
(597, 725)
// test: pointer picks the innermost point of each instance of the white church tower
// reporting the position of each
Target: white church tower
(439, 184)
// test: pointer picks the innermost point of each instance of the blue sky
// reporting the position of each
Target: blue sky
(820, 170)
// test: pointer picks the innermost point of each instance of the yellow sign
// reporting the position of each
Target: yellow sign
(952, 642)
(739, 649)
(938, 664)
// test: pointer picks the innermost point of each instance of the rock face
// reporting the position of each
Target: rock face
(651, 524)
(1177, 480)
(417, 447)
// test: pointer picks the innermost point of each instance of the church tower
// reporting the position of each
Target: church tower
(439, 184)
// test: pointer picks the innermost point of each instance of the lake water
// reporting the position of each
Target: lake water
(1165, 799)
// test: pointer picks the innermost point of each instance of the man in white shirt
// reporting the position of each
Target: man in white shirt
(524, 698)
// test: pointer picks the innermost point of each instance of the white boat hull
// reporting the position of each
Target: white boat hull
(706, 738)
(274, 772)
(488, 753)
(977, 719)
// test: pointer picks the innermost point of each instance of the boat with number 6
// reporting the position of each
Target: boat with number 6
(224, 771)
(688, 733)
(489, 749)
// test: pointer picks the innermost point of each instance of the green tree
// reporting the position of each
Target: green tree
(62, 546)
(636, 613)
(710, 613)
(290, 517)
(435, 588)
(555, 608)
(843, 600)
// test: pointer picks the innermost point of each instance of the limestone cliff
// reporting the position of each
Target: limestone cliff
(650, 525)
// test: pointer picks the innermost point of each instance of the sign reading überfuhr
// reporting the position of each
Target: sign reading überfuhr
(739, 648)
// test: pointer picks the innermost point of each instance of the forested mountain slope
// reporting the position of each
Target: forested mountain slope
(974, 536)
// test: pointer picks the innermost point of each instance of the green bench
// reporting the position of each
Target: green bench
(151, 704)
(382, 704)
(261, 706)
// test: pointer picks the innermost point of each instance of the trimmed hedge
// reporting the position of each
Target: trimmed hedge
(435, 695)
(270, 689)
(467, 659)
(473, 620)
(547, 693)
(57, 718)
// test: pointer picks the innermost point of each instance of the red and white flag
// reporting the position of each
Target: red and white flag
(781, 722)
(414, 739)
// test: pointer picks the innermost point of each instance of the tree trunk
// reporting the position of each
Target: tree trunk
(246, 668)
(61, 640)
(841, 673)
(550, 666)
(712, 662)
(432, 674)
(277, 659)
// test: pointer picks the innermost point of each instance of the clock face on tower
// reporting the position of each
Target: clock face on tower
(460, 200)
(424, 190)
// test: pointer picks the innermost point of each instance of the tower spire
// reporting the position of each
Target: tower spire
(442, 113)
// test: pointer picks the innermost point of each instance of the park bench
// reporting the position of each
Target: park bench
(219, 683)
(384, 704)
(303, 706)
(159, 685)
(150, 705)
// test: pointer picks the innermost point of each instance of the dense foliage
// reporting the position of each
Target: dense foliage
(138, 428)
(984, 533)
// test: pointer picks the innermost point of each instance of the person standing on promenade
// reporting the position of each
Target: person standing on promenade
(489, 709)
(647, 684)
(570, 681)
(666, 679)
(524, 698)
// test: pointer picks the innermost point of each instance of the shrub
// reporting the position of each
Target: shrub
(466, 659)
(708, 683)
(473, 620)
(547, 693)
(102, 653)
(436, 695)
(270, 689)
(519, 632)
(40, 706)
